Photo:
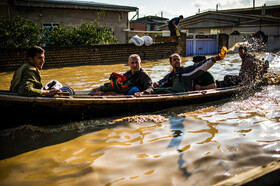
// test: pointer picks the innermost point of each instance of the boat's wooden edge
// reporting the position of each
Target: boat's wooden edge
(84, 95)
(268, 174)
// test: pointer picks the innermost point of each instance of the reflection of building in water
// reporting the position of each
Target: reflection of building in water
(231, 26)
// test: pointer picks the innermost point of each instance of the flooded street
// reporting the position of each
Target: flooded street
(187, 145)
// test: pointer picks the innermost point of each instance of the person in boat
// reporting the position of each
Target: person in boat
(173, 27)
(27, 79)
(251, 69)
(136, 81)
(181, 79)
(205, 80)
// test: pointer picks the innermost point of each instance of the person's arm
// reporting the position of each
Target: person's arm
(205, 81)
(146, 84)
(211, 86)
(174, 24)
(31, 85)
(165, 82)
(196, 70)
(51, 92)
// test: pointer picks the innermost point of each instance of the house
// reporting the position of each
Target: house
(226, 27)
(148, 23)
(70, 12)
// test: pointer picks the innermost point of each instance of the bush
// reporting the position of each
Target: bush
(22, 33)
(86, 34)
(19, 33)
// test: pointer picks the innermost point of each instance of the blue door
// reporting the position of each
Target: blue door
(189, 48)
(201, 47)
(206, 47)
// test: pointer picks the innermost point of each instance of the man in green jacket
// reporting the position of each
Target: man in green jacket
(27, 79)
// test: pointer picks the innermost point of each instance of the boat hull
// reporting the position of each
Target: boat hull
(48, 111)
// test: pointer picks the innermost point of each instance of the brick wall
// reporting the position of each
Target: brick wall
(90, 55)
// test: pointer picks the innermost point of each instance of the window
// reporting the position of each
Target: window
(214, 31)
(48, 25)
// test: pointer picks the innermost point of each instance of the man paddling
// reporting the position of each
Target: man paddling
(251, 69)
(180, 79)
(27, 79)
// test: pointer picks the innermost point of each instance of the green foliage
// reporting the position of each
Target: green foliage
(86, 34)
(22, 33)
(158, 35)
(19, 33)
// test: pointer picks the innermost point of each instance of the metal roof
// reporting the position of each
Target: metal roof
(228, 18)
(73, 4)
(150, 20)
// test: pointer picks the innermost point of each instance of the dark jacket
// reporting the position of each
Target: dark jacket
(250, 68)
(187, 74)
(141, 79)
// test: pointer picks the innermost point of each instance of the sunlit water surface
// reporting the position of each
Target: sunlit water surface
(195, 145)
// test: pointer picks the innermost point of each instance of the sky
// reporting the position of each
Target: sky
(174, 8)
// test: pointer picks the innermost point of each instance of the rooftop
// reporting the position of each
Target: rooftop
(73, 4)
(151, 19)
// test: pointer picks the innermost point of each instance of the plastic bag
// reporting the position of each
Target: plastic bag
(53, 84)
(147, 40)
(136, 40)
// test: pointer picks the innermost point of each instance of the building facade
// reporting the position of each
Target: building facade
(70, 12)
(148, 23)
(235, 25)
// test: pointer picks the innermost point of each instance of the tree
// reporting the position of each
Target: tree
(87, 34)
(23, 33)
(19, 33)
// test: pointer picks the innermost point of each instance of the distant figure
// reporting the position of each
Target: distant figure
(27, 79)
(180, 79)
(135, 82)
(205, 80)
(173, 27)
(251, 69)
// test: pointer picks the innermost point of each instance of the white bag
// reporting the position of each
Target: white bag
(147, 40)
(53, 84)
(136, 40)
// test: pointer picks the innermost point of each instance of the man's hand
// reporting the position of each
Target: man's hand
(197, 87)
(51, 92)
(138, 94)
(223, 53)
(155, 84)
(216, 58)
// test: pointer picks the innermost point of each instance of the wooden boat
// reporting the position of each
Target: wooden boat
(263, 175)
(18, 110)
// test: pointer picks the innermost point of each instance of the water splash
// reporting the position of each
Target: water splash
(141, 119)
(246, 43)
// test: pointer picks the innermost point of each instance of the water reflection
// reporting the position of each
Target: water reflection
(220, 139)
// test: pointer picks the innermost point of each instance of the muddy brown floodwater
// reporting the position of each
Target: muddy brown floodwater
(186, 145)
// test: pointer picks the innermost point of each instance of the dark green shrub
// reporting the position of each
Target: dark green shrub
(22, 33)
(86, 34)
(19, 33)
